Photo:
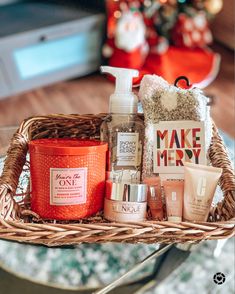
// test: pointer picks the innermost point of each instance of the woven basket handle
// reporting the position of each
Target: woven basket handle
(218, 155)
(16, 156)
(15, 160)
(13, 166)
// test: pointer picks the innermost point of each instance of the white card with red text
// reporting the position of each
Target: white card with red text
(176, 142)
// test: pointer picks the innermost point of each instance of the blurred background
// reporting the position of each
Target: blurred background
(50, 53)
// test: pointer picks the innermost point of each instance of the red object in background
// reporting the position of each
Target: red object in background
(121, 58)
(200, 65)
(67, 177)
(126, 44)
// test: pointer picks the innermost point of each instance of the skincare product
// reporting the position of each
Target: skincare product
(125, 202)
(123, 129)
(155, 197)
(199, 189)
(174, 192)
(67, 177)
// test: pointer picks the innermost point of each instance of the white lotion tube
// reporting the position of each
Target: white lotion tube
(199, 188)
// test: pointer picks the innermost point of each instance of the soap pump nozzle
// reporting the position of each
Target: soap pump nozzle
(123, 100)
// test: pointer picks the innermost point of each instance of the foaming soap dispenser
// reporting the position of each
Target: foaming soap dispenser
(123, 129)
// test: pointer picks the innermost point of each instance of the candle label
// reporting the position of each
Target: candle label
(176, 142)
(68, 186)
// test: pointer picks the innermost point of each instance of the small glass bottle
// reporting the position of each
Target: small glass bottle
(123, 129)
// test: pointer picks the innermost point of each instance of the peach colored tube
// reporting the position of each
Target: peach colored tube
(174, 191)
(200, 185)
(154, 197)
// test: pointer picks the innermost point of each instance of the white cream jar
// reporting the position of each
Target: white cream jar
(125, 202)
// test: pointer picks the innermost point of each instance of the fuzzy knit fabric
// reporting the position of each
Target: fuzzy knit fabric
(164, 102)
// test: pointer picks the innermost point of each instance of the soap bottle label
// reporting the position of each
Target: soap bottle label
(127, 149)
(68, 186)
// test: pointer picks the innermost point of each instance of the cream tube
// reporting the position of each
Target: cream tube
(155, 197)
(174, 191)
(199, 189)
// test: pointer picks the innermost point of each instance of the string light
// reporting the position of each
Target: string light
(117, 14)
(147, 3)
(213, 6)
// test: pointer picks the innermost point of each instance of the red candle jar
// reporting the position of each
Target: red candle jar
(67, 177)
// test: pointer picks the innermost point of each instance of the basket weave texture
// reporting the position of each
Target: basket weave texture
(18, 223)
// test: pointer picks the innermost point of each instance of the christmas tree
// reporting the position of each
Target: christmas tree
(181, 22)
(165, 37)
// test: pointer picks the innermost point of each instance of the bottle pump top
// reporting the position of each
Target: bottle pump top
(123, 100)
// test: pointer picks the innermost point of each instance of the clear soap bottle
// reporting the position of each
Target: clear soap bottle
(123, 129)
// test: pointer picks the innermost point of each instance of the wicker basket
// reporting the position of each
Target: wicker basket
(18, 223)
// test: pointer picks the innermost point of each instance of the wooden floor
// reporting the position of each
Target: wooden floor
(91, 95)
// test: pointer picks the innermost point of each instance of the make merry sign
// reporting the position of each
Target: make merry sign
(178, 142)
